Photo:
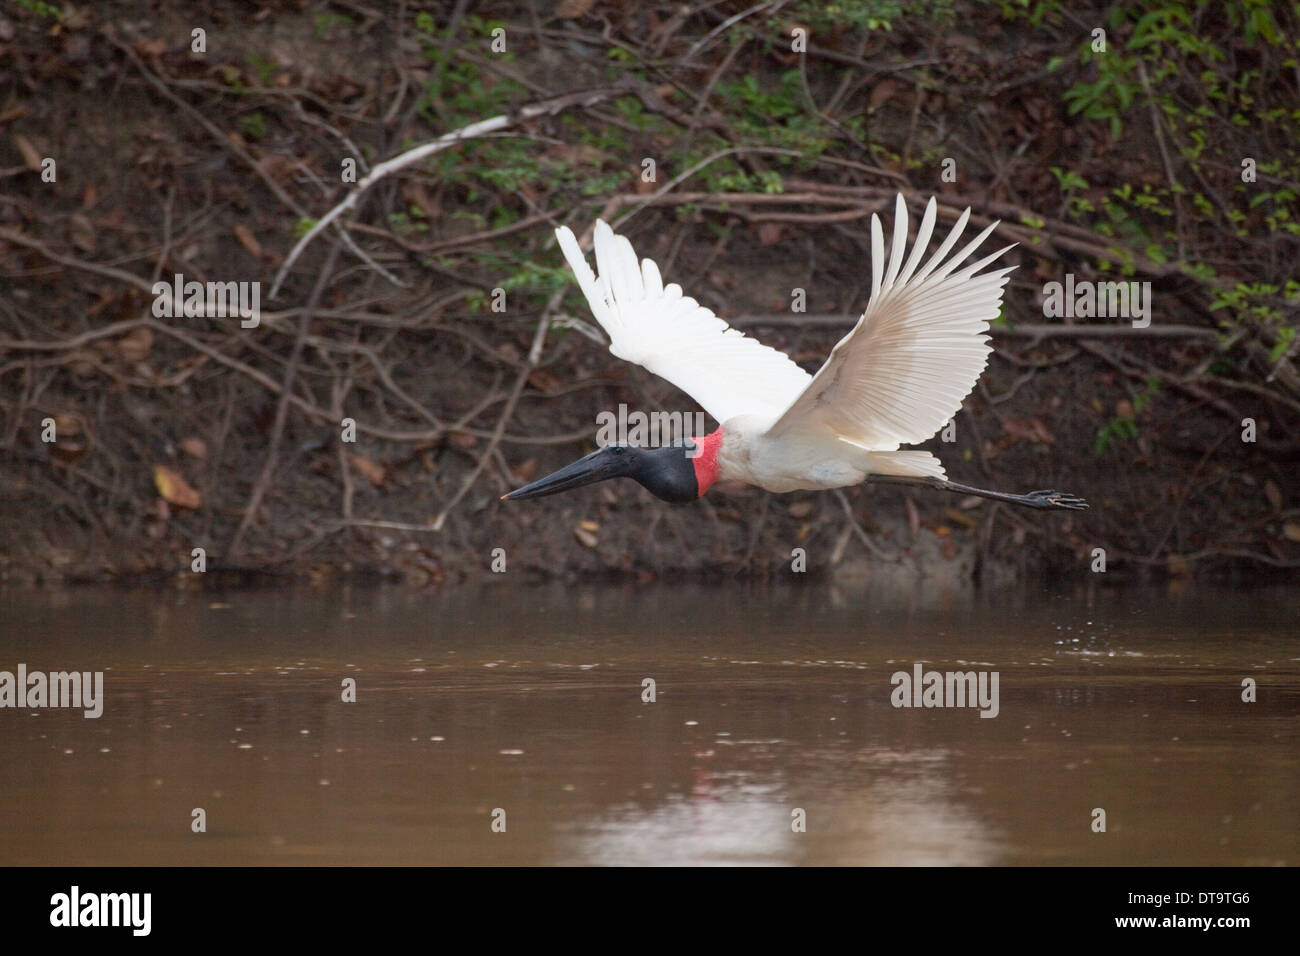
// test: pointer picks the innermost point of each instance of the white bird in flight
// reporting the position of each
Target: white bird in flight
(897, 378)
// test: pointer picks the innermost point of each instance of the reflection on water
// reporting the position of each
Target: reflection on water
(772, 705)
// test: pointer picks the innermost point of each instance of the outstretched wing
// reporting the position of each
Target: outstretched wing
(675, 337)
(916, 352)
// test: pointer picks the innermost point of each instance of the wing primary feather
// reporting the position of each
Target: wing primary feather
(900, 242)
(970, 270)
(923, 233)
(947, 268)
(948, 243)
(877, 256)
(650, 278)
(629, 269)
(608, 264)
(581, 271)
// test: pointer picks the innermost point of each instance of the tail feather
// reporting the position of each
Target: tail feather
(906, 464)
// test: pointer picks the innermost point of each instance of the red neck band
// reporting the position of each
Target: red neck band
(706, 462)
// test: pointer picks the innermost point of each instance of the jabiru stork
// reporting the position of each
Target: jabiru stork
(895, 379)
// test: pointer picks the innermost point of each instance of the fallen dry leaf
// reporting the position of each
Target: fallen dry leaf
(71, 443)
(106, 298)
(965, 520)
(1273, 494)
(1030, 429)
(31, 158)
(136, 344)
(585, 537)
(881, 93)
(194, 447)
(248, 241)
(67, 426)
(545, 381)
(375, 473)
(640, 185)
(1291, 531)
(82, 232)
(154, 47)
(572, 9)
(174, 489)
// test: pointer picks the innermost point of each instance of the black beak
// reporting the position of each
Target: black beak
(599, 465)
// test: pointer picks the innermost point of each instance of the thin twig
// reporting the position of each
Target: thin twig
(412, 156)
(534, 357)
(282, 408)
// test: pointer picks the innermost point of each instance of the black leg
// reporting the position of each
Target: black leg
(1035, 499)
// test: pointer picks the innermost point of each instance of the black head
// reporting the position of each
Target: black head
(667, 472)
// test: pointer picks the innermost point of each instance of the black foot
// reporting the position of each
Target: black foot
(1054, 499)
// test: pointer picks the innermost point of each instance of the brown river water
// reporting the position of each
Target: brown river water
(509, 725)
